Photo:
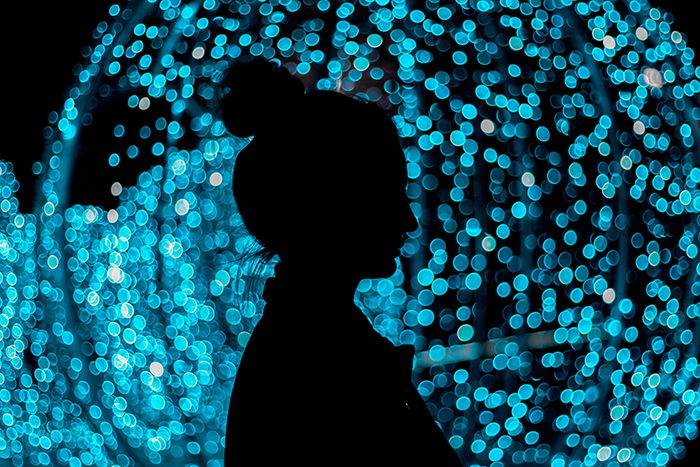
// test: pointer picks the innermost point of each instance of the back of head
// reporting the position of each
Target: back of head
(322, 168)
(256, 89)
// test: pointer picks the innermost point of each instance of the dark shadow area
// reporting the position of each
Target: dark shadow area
(41, 44)
(118, 129)
(322, 185)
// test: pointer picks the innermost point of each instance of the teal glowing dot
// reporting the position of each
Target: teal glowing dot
(473, 228)
(482, 92)
(8, 419)
(488, 243)
(193, 448)
(520, 282)
(518, 210)
(113, 329)
(515, 43)
(525, 111)
(426, 317)
(182, 207)
(180, 343)
(157, 402)
(592, 251)
(425, 277)
(478, 446)
(439, 286)
(243, 338)
(543, 134)
(189, 380)
(459, 57)
(461, 376)
(473, 281)
(465, 332)
(502, 231)
(374, 40)
(532, 437)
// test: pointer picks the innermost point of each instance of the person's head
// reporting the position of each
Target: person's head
(323, 181)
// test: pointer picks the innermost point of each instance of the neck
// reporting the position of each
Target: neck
(316, 280)
(306, 300)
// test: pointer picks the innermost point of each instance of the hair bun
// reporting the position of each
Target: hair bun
(259, 92)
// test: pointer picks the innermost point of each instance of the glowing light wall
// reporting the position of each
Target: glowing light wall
(550, 291)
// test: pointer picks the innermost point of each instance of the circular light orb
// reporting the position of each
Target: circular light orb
(550, 290)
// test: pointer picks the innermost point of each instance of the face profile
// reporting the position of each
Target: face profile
(324, 179)
(322, 185)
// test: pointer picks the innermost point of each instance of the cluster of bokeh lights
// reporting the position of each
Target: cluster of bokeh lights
(550, 290)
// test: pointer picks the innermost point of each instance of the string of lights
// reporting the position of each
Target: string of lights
(550, 290)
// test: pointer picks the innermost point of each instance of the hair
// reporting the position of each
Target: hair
(309, 146)
(252, 88)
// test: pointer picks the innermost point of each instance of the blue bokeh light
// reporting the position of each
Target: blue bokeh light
(550, 289)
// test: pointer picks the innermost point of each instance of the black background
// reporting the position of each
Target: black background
(41, 42)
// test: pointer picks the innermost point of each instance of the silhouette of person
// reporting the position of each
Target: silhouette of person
(321, 185)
